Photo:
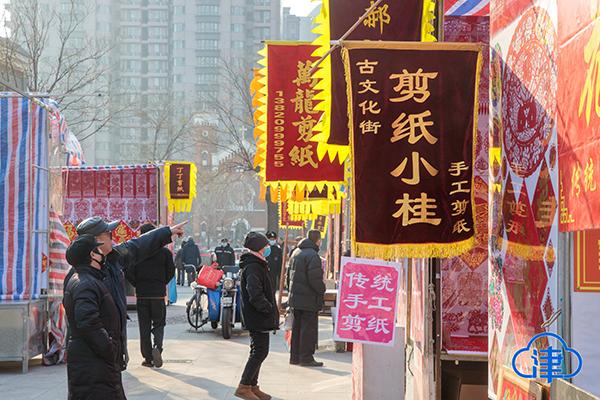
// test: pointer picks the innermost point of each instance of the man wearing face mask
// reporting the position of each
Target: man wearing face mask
(119, 258)
(260, 311)
(274, 259)
(307, 290)
(94, 347)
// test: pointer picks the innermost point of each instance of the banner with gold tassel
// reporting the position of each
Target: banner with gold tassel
(180, 182)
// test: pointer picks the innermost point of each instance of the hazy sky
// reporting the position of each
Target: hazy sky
(300, 7)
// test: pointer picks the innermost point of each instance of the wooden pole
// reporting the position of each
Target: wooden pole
(344, 36)
(283, 268)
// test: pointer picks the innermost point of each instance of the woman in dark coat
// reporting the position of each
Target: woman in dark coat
(94, 347)
(259, 308)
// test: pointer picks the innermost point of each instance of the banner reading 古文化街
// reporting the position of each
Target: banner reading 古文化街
(413, 108)
(409, 20)
(285, 154)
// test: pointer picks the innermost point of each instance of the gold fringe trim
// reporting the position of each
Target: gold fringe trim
(527, 252)
(413, 250)
(180, 205)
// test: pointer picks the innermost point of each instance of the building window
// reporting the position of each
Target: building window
(131, 49)
(208, 61)
(205, 159)
(133, 15)
(157, 83)
(178, 10)
(178, 27)
(157, 49)
(208, 27)
(132, 32)
(158, 15)
(158, 33)
(208, 44)
(237, 10)
(179, 62)
(237, 44)
(131, 82)
(208, 9)
(158, 66)
(207, 78)
(237, 28)
(179, 44)
(177, 78)
(131, 66)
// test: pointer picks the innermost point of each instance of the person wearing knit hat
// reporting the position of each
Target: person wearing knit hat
(259, 310)
(94, 345)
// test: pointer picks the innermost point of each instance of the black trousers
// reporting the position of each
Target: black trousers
(180, 276)
(305, 335)
(259, 350)
(152, 315)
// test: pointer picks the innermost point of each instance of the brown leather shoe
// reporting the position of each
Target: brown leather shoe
(245, 392)
(260, 394)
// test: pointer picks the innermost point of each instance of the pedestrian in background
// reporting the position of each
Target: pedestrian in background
(225, 254)
(307, 291)
(190, 257)
(95, 342)
(150, 279)
(179, 265)
(274, 259)
(260, 312)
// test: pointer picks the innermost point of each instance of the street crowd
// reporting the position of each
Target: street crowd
(96, 306)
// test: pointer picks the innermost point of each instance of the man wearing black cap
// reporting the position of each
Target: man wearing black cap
(275, 259)
(95, 346)
(260, 311)
(307, 290)
(150, 279)
(120, 257)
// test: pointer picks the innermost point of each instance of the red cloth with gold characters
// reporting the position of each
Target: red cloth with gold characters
(412, 154)
(579, 115)
(291, 157)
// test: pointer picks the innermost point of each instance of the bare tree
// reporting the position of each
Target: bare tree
(234, 112)
(62, 61)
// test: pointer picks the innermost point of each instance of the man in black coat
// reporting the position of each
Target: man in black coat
(275, 259)
(95, 346)
(259, 310)
(150, 278)
(179, 265)
(119, 258)
(225, 254)
(307, 290)
(190, 256)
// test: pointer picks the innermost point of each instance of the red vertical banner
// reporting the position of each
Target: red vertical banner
(402, 149)
(291, 157)
(579, 115)
(285, 220)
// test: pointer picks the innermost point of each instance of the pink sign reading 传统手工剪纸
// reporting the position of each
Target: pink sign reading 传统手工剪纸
(367, 300)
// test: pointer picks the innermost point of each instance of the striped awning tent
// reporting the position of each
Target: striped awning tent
(58, 266)
(23, 197)
(456, 8)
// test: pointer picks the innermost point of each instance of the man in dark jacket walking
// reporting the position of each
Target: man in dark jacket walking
(307, 290)
(275, 259)
(94, 347)
(179, 265)
(260, 312)
(150, 278)
(119, 258)
(225, 254)
(190, 256)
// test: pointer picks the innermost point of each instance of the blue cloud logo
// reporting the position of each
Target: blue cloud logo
(548, 363)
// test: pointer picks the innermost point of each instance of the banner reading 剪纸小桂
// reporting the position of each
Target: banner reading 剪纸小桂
(411, 150)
